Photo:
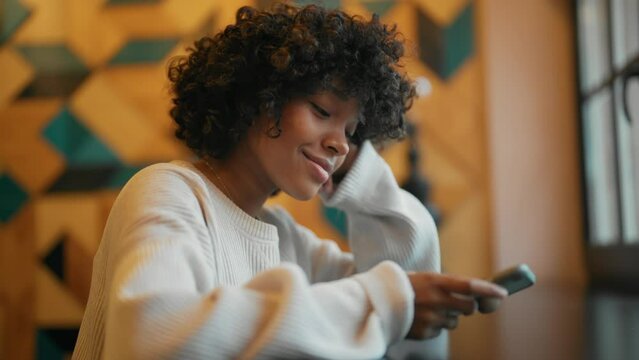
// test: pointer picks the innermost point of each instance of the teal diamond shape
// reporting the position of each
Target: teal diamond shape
(52, 59)
(445, 48)
(78, 145)
(122, 175)
(329, 4)
(378, 7)
(337, 219)
(458, 38)
(13, 197)
(131, 2)
(12, 15)
(143, 51)
(55, 343)
(46, 348)
(58, 71)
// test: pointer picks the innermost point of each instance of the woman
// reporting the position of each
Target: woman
(192, 265)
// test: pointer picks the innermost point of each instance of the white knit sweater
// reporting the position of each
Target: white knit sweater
(182, 272)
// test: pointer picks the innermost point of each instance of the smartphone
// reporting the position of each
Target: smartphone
(515, 279)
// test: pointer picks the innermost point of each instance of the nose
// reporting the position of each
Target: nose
(337, 145)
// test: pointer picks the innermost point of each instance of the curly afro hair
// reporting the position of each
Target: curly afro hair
(267, 58)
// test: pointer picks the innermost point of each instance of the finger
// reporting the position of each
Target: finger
(429, 333)
(432, 322)
(423, 333)
(470, 286)
(423, 330)
(449, 283)
(449, 303)
(488, 305)
(487, 289)
(451, 322)
(428, 317)
(415, 332)
(460, 305)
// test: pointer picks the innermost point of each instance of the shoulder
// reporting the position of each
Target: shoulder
(175, 183)
(175, 171)
(167, 175)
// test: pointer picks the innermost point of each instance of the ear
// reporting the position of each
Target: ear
(268, 125)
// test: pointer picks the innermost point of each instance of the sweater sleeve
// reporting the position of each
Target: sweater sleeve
(162, 302)
(384, 223)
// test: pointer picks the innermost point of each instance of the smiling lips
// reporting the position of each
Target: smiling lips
(321, 169)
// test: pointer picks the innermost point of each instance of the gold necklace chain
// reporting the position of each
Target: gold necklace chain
(225, 189)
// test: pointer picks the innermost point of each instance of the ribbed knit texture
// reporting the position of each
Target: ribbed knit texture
(182, 272)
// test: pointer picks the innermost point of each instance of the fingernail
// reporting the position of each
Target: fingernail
(487, 286)
(502, 291)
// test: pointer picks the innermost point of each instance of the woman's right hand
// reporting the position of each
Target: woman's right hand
(440, 299)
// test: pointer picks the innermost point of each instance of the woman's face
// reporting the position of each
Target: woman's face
(312, 145)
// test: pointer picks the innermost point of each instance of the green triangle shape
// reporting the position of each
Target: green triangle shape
(329, 4)
(13, 197)
(54, 259)
(337, 218)
(78, 145)
(131, 2)
(459, 41)
(142, 51)
(52, 59)
(12, 15)
(122, 175)
(92, 151)
(46, 348)
(378, 7)
(64, 132)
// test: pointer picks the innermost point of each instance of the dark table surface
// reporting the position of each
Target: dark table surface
(544, 322)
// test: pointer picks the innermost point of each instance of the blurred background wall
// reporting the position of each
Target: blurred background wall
(84, 101)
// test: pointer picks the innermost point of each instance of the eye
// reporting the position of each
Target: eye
(323, 113)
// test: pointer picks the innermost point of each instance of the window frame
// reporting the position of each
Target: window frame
(612, 265)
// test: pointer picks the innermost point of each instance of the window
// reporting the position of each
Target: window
(608, 61)
(608, 42)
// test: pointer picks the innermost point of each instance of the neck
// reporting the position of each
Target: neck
(242, 181)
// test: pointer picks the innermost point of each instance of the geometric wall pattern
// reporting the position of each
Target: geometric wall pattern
(83, 106)
(15, 15)
(13, 197)
(57, 70)
(55, 344)
(445, 47)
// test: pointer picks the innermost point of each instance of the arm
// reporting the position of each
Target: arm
(163, 301)
(384, 223)
(387, 223)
